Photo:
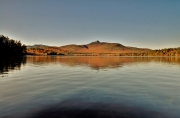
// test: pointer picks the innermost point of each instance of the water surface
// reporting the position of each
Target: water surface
(42, 86)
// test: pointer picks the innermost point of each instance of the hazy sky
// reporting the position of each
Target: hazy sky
(139, 23)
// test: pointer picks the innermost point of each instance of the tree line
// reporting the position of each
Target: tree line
(52, 51)
(10, 47)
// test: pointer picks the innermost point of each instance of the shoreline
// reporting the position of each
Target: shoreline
(100, 56)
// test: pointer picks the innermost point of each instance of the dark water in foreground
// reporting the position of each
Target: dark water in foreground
(90, 87)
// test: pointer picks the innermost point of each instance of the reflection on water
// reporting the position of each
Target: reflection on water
(11, 63)
(97, 62)
(70, 87)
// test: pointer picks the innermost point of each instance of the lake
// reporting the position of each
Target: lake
(84, 87)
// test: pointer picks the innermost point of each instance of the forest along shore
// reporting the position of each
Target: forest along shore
(100, 49)
(14, 48)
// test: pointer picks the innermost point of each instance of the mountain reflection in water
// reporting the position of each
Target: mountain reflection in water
(96, 62)
(70, 87)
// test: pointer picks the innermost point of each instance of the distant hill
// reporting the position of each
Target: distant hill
(93, 48)
(12, 47)
(98, 48)
(101, 47)
(37, 46)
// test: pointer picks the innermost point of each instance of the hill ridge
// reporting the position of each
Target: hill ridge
(95, 47)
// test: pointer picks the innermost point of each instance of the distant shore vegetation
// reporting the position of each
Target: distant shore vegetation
(10, 47)
(160, 52)
(40, 50)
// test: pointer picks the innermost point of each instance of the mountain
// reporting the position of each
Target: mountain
(37, 46)
(101, 47)
(93, 48)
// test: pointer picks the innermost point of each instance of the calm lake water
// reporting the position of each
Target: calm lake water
(70, 87)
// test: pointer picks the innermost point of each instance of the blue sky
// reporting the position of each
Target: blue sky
(153, 24)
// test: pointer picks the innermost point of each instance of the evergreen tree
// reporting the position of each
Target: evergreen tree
(10, 47)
